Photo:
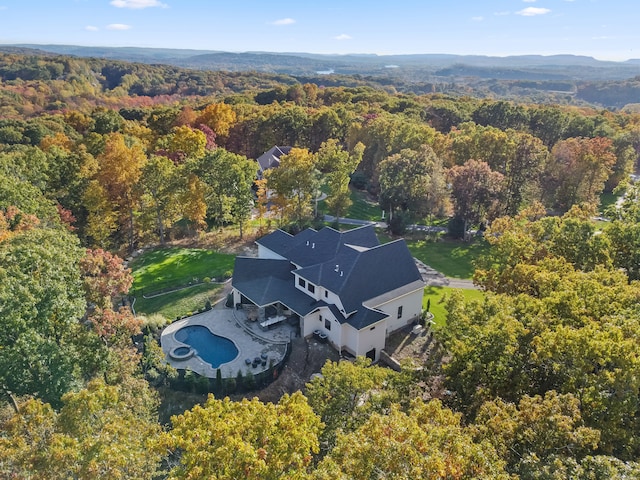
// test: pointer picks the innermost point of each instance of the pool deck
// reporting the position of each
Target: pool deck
(250, 340)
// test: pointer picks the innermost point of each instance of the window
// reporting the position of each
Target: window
(311, 288)
(372, 328)
(320, 317)
(326, 294)
(301, 282)
(400, 311)
(327, 324)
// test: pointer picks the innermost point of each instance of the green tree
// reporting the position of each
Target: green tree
(160, 181)
(41, 302)
(338, 165)
(295, 183)
(346, 395)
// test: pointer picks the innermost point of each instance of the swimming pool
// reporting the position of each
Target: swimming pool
(211, 348)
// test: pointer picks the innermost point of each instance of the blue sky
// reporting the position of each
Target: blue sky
(605, 29)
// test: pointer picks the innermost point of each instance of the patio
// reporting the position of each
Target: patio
(252, 341)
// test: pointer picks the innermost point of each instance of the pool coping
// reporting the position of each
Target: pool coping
(222, 322)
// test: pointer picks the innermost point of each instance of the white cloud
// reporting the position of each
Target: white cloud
(283, 21)
(501, 14)
(91, 28)
(343, 36)
(118, 26)
(137, 4)
(477, 19)
(533, 11)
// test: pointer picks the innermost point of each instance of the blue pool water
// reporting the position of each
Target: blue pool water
(213, 349)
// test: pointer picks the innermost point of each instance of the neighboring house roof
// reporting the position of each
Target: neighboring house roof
(351, 264)
(271, 158)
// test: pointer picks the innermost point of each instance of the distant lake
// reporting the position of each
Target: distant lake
(326, 72)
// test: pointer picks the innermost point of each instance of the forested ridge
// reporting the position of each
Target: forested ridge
(540, 380)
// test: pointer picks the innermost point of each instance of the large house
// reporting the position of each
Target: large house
(271, 159)
(342, 285)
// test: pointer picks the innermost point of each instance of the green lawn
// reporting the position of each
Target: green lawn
(606, 201)
(438, 295)
(363, 208)
(453, 258)
(182, 302)
(174, 267)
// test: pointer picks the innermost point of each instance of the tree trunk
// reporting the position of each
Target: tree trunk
(160, 225)
(14, 402)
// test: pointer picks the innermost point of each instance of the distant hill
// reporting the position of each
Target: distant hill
(579, 80)
(522, 67)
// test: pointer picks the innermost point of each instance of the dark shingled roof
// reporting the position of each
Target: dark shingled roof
(357, 276)
(266, 281)
(325, 244)
(271, 158)
(351, 264)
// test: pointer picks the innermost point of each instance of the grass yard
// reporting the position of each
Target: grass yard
(174, 267)
(607, 200)
(438, 296)
(363, 208)
(175, 304)
(453, 258)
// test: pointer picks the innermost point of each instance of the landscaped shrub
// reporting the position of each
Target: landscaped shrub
(202, 384)
(189, 380)
(206, 279)
(249, 381)
(228, 274)
(207, 305)
(152, 323)
(230, 385)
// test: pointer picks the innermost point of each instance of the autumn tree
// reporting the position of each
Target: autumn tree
(246, 439)
(100, 432)
(117, 180)
(577, 171)
(537, 431)
(427, 442)
(476, 192)
(220, 117)
(346, 395)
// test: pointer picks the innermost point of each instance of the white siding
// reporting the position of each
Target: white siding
(350, 338)
(312, 322)
(411, 304)
(370, 337)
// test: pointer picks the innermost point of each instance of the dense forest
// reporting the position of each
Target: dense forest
(99, 158)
